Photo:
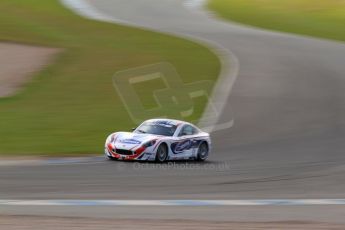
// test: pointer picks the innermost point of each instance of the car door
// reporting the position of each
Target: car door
(183, 146)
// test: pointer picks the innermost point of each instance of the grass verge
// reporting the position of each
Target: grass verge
(71, 106)
(319, 18)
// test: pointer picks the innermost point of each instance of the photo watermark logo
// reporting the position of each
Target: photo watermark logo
(172, 99)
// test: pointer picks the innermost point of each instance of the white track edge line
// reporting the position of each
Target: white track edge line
(261, 202)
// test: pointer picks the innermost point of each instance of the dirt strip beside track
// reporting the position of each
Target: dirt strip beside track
(19, 62)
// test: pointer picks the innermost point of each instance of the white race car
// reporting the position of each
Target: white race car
(159, 140)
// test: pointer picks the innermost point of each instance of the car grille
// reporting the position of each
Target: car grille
(124, 152)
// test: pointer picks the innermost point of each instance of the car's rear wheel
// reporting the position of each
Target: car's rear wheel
(202, 152)
(162, 153)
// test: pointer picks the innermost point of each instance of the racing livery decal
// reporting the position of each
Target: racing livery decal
(180, 147)
(130, 141)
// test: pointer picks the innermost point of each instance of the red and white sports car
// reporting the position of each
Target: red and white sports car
(159, 140)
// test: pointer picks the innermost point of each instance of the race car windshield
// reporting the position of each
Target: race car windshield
(157, 129)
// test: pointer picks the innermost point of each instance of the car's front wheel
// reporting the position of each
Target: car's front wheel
(162, 153)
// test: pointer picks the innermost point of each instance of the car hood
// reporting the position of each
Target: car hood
(127, 140)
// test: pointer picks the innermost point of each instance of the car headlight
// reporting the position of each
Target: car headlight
(110, 139)
(149, 143)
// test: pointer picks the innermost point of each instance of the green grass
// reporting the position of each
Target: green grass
(319, 18)
(71, 106)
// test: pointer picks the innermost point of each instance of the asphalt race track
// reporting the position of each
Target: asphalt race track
(288, 138)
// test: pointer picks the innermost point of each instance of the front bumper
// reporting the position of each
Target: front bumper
(139, 155)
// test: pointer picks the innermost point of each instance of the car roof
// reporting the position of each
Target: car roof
(170, 121)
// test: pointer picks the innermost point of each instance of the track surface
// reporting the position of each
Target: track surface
(288, 140)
